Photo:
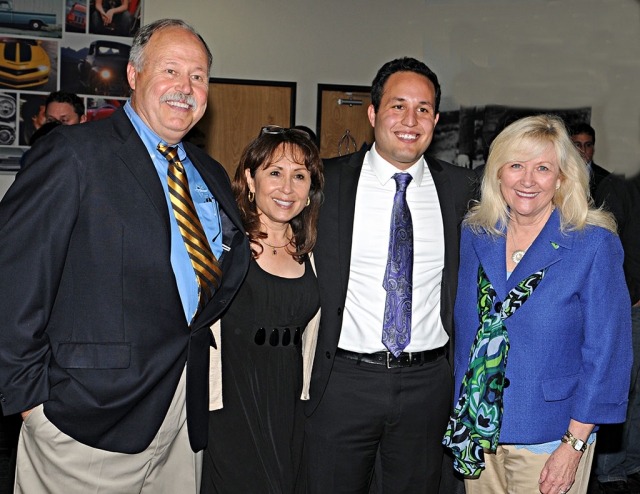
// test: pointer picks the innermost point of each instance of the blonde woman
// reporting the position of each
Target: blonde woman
(543, 332)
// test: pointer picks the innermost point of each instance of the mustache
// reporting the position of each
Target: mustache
(181, 97)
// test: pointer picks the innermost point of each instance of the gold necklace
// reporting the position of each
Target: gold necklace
(274, 247)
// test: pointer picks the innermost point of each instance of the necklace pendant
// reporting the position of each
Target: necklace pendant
(517, 256)
(275, 251)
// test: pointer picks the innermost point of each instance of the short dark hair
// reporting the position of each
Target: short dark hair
(404, 64)
(583, 128)
(71, 98)
(262, 151)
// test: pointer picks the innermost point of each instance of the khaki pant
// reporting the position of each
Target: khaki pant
(51, 462)
(517, 471)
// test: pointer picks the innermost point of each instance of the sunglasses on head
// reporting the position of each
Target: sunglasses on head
(276, 129)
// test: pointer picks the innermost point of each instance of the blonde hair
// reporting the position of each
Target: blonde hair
(523, 140)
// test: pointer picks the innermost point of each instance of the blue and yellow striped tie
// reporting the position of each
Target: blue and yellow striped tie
(206, 266)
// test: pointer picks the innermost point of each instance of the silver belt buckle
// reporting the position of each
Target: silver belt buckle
(388, 354)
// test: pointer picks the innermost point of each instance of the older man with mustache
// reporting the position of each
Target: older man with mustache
(119, 246)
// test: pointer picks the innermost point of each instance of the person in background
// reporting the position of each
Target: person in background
(387, 262)
(67, 108)
(542, 318)
(584, 139)
(32, 116)
(119, 246)
(266, 351)
(111, 17)
(617, 461)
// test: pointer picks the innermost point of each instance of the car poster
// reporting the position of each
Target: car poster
(78, 46)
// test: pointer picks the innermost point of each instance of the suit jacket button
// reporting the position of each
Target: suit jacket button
(339, 310)
(328, 354)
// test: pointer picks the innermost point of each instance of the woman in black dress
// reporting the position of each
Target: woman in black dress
(255, 437)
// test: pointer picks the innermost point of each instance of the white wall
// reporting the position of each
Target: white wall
(538, 53)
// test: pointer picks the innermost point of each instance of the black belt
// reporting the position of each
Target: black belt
(405, 359)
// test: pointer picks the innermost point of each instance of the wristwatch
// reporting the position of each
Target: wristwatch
(577, 444)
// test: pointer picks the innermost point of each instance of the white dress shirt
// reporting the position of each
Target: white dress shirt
(364, 306)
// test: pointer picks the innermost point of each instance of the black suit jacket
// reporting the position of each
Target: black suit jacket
(596, 176)
(91, 319)
(332, 252)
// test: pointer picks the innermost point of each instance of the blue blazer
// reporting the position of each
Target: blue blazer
(570, 343)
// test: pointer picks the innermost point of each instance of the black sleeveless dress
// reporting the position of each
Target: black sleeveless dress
(255, 441)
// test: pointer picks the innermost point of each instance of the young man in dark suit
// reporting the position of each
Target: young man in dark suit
(584, 139)
(387, 261)
(116, 257)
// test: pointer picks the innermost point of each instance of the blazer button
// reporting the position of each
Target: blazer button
(339, 311)
(328, 354)
(498, 307)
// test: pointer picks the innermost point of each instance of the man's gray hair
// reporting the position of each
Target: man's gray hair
(136, 55)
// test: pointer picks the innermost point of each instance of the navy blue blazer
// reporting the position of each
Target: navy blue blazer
(91, 319)
(570, 354)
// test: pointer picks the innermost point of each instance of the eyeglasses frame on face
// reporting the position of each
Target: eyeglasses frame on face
(276, 129)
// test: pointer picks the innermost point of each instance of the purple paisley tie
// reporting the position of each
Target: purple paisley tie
(398, 277)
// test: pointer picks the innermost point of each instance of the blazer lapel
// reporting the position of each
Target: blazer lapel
(491, 254)
(135, 156)
(448, 210)
(545, 250)
(214, 179)
(349, 177)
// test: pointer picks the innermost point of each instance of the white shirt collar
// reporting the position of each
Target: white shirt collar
(384, 171)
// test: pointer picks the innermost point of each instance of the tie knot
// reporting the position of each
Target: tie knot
(402, 181)
(170, 153)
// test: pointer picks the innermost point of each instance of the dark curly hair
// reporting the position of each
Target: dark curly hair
(65, 97)
(267, 149)
(404, 64)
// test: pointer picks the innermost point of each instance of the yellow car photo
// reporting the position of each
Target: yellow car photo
(23, 63)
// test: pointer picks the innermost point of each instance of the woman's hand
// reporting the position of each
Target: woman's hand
(559, 471)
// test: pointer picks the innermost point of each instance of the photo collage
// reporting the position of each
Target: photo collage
(76, 46)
